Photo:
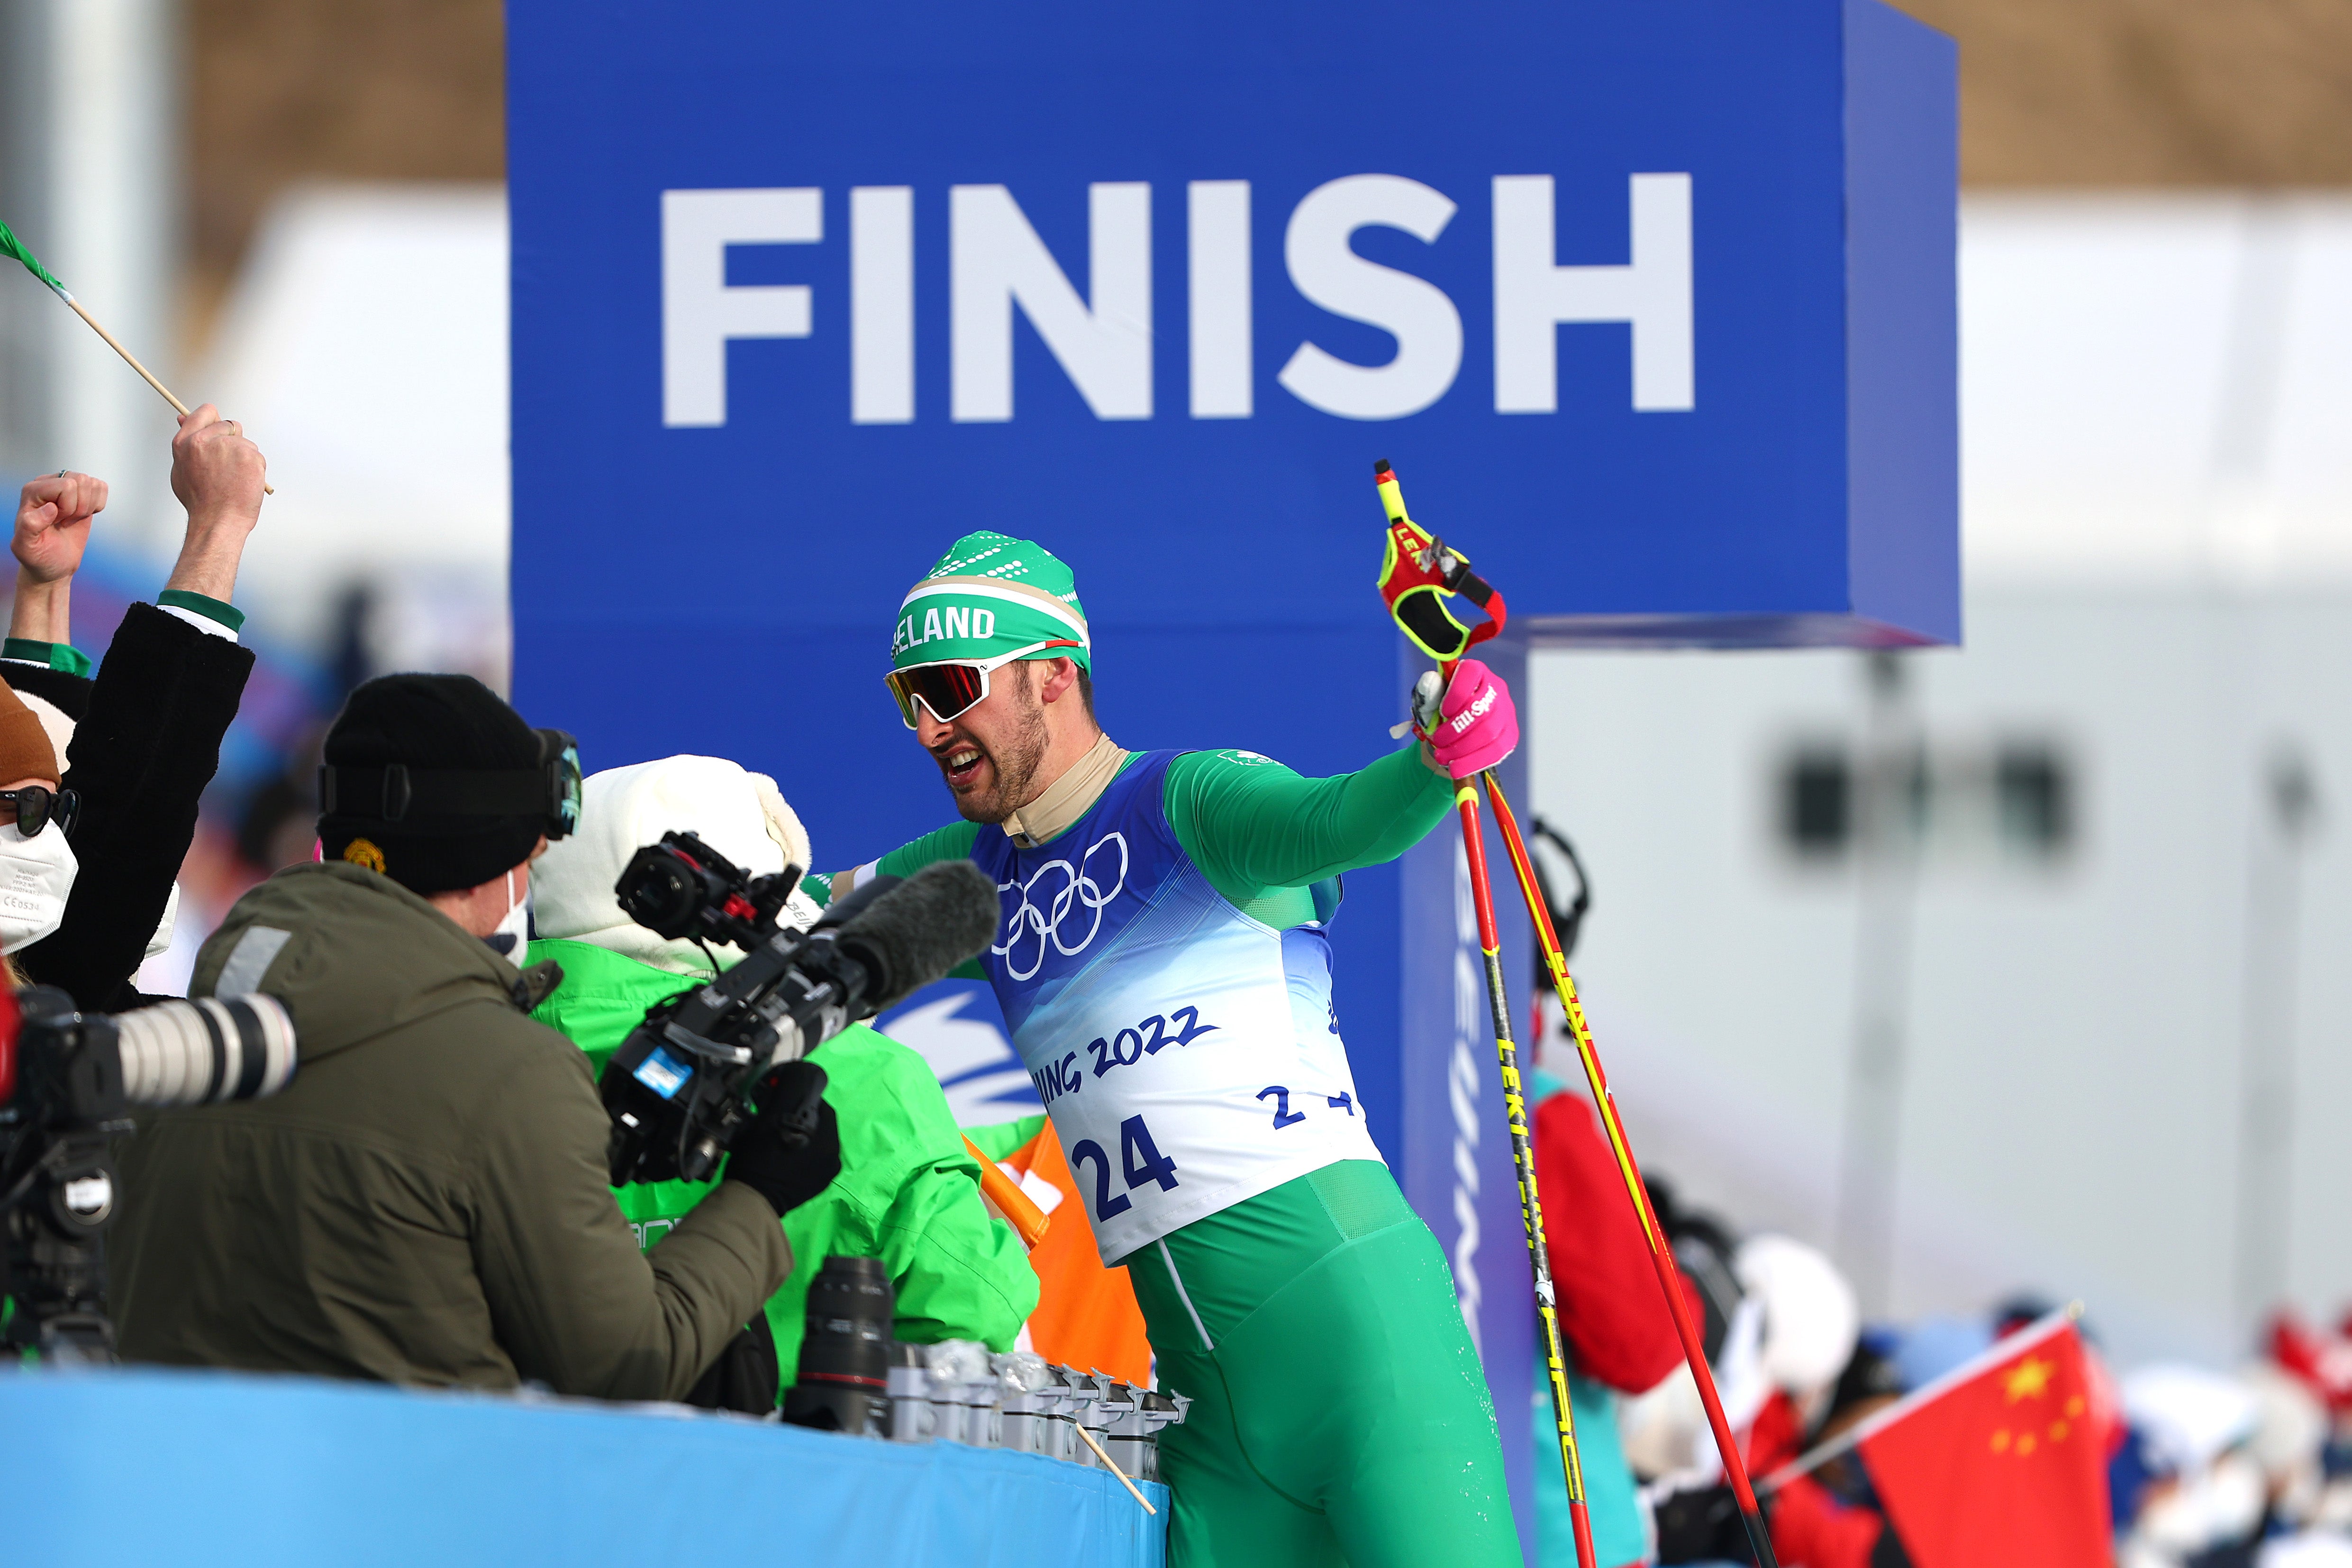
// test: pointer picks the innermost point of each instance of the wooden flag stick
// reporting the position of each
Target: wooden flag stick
(1112, 1465)
(132, 360)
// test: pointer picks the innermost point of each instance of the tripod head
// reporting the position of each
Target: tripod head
(68, 1082)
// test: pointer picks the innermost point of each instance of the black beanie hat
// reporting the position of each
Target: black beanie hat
(430, 722)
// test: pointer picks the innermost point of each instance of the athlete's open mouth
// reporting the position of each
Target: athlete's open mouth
(961, 763)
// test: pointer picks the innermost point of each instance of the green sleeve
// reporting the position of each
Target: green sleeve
(1253, 825)
(961, 1273)
(60, 656)
(909, 1193)
(952, 842)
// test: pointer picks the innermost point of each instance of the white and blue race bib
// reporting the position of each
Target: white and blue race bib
(1188, 1053)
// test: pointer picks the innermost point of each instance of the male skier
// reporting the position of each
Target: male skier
(1164, 967)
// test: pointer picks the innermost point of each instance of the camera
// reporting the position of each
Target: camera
(67, 1082)
(683, 887)
(683, 1082)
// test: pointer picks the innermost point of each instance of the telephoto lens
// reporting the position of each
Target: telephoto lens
(844, 1381)
(194, 1053)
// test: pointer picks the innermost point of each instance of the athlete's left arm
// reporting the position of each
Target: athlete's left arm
(1250, 823)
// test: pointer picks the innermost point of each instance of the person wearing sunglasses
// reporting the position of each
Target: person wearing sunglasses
(37, 864)
(1165, 966)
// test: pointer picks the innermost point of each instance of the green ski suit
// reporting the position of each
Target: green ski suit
(908, 1191)
(1341, 1415)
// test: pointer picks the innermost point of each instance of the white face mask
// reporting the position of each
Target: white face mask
(36, 875)
(514, 929)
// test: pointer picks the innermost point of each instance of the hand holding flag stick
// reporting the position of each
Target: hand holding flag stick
(11, 245)
(1418, 574)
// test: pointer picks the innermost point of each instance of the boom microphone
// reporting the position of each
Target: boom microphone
(914, 932)
(854, 903)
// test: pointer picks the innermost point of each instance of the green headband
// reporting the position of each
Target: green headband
(989, 596)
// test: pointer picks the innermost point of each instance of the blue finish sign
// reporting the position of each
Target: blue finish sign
(1652, 305)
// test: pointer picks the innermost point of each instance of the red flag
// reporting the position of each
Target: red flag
(2000, 1461)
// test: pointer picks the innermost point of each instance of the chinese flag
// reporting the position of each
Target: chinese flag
(2003, 1462)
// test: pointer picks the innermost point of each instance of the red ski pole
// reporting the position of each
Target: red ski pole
(1662, 1256)
(1523, 1162)
(1416, 574)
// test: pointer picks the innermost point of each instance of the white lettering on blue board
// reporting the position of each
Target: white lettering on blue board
(700, 312)
(1328, 272)
(1102, 339)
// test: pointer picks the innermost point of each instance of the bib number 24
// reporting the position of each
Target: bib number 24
(1140, 1161)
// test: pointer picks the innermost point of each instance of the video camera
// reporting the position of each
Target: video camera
(68, 1081)
(687, 1079)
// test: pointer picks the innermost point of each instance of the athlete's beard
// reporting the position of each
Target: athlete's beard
(1013, 759)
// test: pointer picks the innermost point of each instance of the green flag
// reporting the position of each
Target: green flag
(10, 245)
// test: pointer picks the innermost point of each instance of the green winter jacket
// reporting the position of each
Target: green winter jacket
(425, 1203)
(909, 1193)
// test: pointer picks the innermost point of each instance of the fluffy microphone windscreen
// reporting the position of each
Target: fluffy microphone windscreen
(917, 932)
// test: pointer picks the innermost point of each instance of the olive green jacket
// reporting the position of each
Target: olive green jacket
(425, 1203)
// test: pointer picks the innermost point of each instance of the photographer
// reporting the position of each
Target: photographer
(145, 736)
(425, 1203)
(907, 1193)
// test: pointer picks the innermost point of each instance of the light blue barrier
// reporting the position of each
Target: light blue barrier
(153, 1467)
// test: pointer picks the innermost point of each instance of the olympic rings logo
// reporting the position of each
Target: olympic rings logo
(1079, 887)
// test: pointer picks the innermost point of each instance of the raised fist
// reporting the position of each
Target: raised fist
(1476, 725)
(216, 473)
(53, 516)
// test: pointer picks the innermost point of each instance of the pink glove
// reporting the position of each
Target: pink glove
(1476, 726)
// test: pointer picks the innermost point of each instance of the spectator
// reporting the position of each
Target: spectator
(145, 736)
(425, 1202)
(1831, 1518)
(37, 864)
(907, 1192)
(2204, 1498)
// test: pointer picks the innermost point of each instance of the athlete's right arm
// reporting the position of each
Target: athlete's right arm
(952, 842)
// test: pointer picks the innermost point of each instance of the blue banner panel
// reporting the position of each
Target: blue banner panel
(196, 1468)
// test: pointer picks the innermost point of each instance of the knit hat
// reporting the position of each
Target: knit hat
(25, 748)
(989, 596)
(429, 723)
(740, 814)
